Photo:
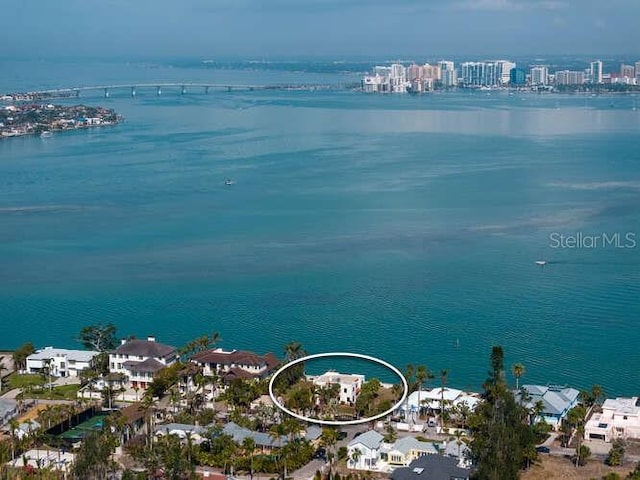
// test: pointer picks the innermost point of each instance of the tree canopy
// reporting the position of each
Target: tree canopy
(503, 441)
(98, 337)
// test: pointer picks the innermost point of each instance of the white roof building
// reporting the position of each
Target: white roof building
(350, 384)
(620, 418)
(60, 361)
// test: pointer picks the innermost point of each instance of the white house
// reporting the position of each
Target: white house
(363, 451)
(60, 361)
(432, 399)
(140, 360)
(620, 418)
(350, 385)
(182, 431)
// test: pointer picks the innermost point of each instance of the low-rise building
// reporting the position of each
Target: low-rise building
(405, 450)
(555, 400)
(432, 467)
(263, 440)
(235, 363)
(350, 384)
(363, 451)
(620, 418)
(60, 362)
(139, 360)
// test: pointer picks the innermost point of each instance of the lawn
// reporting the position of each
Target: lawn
(63, 392)
(17, 380)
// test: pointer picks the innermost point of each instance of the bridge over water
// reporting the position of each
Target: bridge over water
(157, 88)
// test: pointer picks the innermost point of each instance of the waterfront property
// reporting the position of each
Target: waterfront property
(620, 418)
(350, 384)
(235, 363)
(60, 362)
(433, 400)
(555, 400)
(139, 360)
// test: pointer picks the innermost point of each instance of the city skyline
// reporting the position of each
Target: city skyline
(315, 28)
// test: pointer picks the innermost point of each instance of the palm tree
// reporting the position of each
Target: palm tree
(13, 426)
(2, 368)
(329, 438)
(518, 371)
(249, 447)
(597, 393)
(443, 378)
(356, 453)
(422, 375)
(276, 432)
(293, 351)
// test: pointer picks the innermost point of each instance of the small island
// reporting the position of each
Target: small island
(42, 119)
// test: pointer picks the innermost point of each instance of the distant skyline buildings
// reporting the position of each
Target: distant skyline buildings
(491, 74)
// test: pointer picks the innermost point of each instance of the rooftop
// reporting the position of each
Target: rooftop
(624, 405)
(555, 399)
(50, 352)
(145, 348)
(432, 467)
(236, 357)
(370, 439)
(149, 365)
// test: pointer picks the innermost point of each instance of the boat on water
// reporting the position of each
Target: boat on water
(228, 182)
(46, 134)
(542, 263)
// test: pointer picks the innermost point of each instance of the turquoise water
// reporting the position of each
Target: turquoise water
(397, 226)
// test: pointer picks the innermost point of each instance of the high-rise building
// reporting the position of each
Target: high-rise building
(504, 71)
(569, 77)
(448, 73)
(627, 71)
(539, 75)
(595, 72)
(449, 78)
(638, 73)
(488, 74)
(517, 76)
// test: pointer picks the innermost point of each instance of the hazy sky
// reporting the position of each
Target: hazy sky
(334, 28)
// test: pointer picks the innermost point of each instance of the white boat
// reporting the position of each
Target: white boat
(228, 182)
(46, 134)
(542, 263)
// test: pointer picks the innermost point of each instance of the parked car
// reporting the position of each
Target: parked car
(543, 449)
(321, 454)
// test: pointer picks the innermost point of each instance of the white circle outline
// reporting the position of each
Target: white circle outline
(339, 354)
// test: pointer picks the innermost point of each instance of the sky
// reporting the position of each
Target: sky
(317, 28)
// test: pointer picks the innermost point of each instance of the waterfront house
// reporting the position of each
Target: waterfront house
(620, 418)
(432, 467)
(556, 401)
(363, 451)
(235, 363)
(350, 384)
(139, 360)
(60, 362)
